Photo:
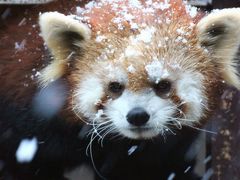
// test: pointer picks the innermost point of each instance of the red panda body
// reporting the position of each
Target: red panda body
(132, 69)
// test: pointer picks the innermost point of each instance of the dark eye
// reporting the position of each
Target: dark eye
(163, 87)
(115, 87)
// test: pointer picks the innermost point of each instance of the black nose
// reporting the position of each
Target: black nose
(138, 116)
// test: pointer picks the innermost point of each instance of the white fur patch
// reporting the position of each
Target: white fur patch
(162, 111)
(190, 90)
(115, 73)
(87, 95)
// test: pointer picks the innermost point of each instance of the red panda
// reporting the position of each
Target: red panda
(141, 59)
(137, 70)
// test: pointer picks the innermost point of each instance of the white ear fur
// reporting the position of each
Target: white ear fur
(219, 32)
(63, 35)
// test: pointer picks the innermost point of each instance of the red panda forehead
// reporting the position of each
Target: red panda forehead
(136, 75)
(131, 14)
(142, 61)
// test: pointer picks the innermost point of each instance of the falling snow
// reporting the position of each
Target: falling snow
(132, 150)
(6, 13)
(187, 169)
(171, 176)
(207, 159)
(20, 46)
(26, 150)
(208, 174)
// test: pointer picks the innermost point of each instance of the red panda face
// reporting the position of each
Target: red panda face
(144, 82)
(143, 91)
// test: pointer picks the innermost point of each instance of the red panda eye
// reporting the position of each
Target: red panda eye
(163, 87)
(115, 87)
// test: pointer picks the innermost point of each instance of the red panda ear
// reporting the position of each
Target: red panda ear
(64, 36)
(219, 32)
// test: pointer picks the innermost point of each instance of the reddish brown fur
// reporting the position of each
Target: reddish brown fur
(12, 74)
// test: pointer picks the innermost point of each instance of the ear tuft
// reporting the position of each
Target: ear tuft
(54, 22)
(219, 32)
(64, 37)
(218, 26)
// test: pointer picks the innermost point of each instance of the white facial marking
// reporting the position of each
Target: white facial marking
(88, 94)
(188, 86)
(190, 89)
(114, 73)
(158, 109)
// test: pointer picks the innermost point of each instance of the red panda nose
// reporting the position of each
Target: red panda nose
(138, 116)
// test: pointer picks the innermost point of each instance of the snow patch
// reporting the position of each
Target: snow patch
(180, 31)
(162, 5)
(100, 38)
(145, 35)
(135, 3)
(20, 46)
(79, 10)
(90, 5)
(156, 71)
(133, 25)
(131, 51)
(191, 10)
(181, 39)
(131, 69)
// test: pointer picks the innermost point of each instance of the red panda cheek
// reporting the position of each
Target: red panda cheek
(100, 105)
(181, 106)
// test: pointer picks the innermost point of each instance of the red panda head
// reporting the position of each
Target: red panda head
(145, 70)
